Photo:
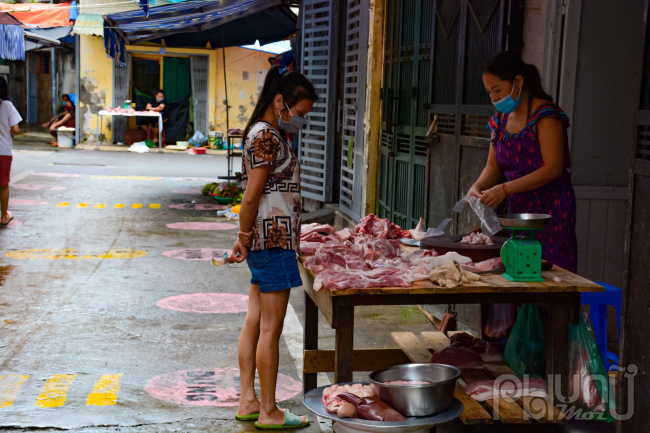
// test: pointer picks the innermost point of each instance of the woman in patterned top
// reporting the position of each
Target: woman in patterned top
(269, 239)
(530, 149)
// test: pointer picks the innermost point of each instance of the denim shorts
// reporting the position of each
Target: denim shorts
(274, 269)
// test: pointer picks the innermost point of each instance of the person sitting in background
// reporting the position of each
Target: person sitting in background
(68, 120)
(156, 103)
(9, 120)
(60, 114)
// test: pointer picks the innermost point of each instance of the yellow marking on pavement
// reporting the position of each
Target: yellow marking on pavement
(119, 206)
(82, 205)
(105, 391)
(136, 206)
(73, 254)
(100, 206)
(126, 177)
(63, 204)
(10, 385)
(55, 391)
(154, 206)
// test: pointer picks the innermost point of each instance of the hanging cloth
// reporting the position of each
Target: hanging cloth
(176, 78)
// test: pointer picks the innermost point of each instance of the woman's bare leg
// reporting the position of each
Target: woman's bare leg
(250, 333)
(4, 203)
(273, 309)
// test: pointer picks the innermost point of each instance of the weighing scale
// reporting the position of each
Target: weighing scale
(313, 401)
(522, 255)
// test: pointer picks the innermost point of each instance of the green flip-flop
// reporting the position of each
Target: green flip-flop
(290, 421)
(252, 416)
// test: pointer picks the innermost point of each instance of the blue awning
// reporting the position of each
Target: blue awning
(200, 16)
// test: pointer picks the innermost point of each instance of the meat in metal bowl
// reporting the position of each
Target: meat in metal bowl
(417, 400)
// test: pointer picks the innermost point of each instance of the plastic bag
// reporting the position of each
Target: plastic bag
(488, 216)
(526, 349)
(499, 321)
(589, 381)
(198, 139)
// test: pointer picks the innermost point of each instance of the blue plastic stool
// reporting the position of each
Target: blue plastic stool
(598, 302)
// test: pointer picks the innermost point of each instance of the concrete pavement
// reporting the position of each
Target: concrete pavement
(111, 320)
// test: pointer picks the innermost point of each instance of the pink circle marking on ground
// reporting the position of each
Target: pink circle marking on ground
(25, 202)
(206, 303)
(195, 179)
(35, 187)
(57, 174)
(198, 206)
(202, 226)
(196, 254)
(196, 191)
(218, 387)
(13, 223)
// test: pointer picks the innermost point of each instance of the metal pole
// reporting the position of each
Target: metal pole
(54, 74)
(225, 85)
(77, 89)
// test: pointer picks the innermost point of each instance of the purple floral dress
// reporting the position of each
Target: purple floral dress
(518, 155)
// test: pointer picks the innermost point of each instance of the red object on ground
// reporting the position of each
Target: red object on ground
(134, 136)
(198, 150)
(5, 169)
(39, 15)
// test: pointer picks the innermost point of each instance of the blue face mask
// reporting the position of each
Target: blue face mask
(508, 105)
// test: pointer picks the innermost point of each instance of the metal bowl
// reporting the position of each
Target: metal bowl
(417, 400)
(525, 220)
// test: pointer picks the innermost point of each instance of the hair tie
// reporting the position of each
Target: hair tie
(283, 70)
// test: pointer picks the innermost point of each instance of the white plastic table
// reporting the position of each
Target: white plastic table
(103, 113)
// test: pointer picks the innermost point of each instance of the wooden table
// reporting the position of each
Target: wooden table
(562, 300)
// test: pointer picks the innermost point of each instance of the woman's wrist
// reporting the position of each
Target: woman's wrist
(505, 189)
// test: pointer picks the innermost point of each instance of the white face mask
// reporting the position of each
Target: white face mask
(294, 125)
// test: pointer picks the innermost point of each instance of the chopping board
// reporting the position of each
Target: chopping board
(478, 253)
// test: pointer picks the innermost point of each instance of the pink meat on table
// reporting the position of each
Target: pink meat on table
(344, 234)
(458, 357)
(490, 265)
(382, 277)
(477, 239)
(332, 403)
(335, 259)
(309, 248)
(488, 351)
(382, 228)
(514, 389)
(407, 382)
(310, 231)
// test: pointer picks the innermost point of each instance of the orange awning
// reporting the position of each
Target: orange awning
(39, 15)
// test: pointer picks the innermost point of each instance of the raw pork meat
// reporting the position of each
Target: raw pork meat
(344, 234)
(332, 402)
(419, 231)
(381, 228)
(458, 357)
(477, 239)
(490, 265)
(407, 382)
(310, 232)
(489, 351)
(514, 389)
(309, 248)
(335, 259)
(381, 277)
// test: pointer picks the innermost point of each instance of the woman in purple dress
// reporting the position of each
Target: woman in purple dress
(530, 149)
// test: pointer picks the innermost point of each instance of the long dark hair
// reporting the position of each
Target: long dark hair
(4, 92)
(507, 65)
(293, 86)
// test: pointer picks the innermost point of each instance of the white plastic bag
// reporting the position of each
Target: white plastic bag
(198, 139)
(499, 321)
(488, 216)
